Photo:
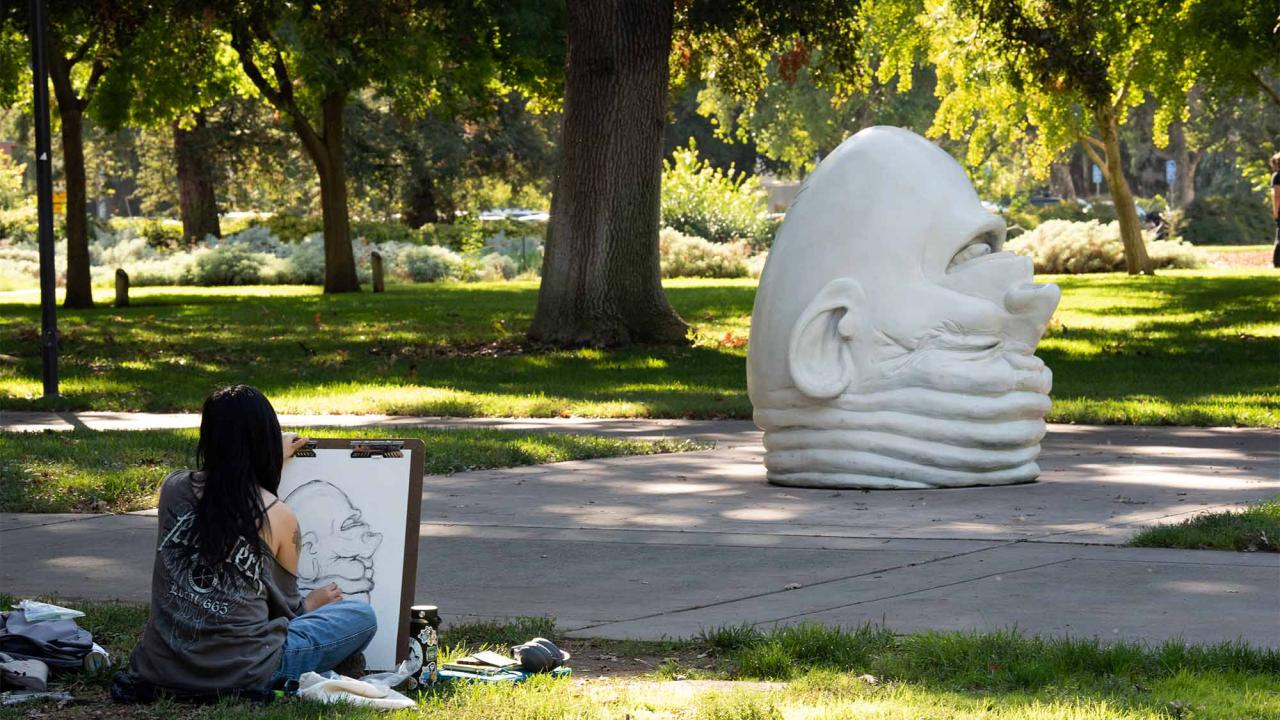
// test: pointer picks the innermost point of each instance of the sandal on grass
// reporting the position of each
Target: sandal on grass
(23, 674)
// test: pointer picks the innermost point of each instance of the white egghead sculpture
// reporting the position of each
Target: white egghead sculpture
(892, 341)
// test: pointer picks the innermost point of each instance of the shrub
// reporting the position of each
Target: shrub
(225, 265)
(19, 265)
(428, 263)
(294, 228)
(162, 233)
(257, 239)
(524, 250)
(20, 225)
(495, 266)
(687, 256)
(164, 269)
(1061, 246)
(240, 221)
(305, 263)
(703, 201)
(1029, 217)
(127, 252)
(386, 232)
(1227, 220)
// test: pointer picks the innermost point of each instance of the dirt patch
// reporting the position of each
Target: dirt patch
(598, 659)
(1250, 259)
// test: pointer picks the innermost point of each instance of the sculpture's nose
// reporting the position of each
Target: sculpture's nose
(1032, 306)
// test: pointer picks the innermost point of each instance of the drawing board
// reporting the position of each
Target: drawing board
(358, 504)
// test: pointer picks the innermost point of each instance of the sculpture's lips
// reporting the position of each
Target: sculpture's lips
(980, 246)
(904, 438)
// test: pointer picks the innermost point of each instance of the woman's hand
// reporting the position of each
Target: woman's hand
(292, 443)
(322, 596)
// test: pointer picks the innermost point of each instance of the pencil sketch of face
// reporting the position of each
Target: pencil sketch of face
(337, 544)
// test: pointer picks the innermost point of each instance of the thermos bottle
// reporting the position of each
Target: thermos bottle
(424, 626)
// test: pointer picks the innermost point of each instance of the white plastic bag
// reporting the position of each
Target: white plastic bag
(335, 688)
(35, 611)
(388, 680)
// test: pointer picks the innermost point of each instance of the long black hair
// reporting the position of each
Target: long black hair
(239, 453)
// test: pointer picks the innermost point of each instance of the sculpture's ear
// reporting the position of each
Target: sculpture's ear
(308, 546)
(821, 361)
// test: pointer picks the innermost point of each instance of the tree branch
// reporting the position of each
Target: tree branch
(281, 72)
(243, 49)
(60, 77)
(80, 52)
(1091, 140)
(1266, 87)
(94, 76)
(280, 97)
(1097, 159)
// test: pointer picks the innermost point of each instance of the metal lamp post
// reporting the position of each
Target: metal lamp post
(44, 202)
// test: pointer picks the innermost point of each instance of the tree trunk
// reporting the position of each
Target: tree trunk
(1186, 161)
(601, 281)
(1135, 252)
(197, 201)
(1060, 181)
(327, 153)
(420, 205)
(71, 114)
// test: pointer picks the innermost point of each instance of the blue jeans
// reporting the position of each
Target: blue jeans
(319, 640)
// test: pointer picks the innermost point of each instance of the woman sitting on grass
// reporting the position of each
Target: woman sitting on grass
(226, 616)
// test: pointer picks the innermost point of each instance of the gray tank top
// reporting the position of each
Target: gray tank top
(211, 628)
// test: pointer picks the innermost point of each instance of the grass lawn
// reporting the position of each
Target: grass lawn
(1185, 347)
(116, 471)
(1256, 528)
(803, 672)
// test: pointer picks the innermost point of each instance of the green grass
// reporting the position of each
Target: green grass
(1256, 528)
(1183, 348)
(830, 673)
(115, 471)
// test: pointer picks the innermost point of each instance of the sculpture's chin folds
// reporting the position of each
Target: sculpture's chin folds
(905, 438)
(892, 338)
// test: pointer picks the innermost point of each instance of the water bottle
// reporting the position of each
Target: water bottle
(424, 639)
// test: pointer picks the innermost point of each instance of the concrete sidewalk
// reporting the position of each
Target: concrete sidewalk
(654, 546)
(718, 431)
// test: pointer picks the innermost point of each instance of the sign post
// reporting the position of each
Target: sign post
(44, 202)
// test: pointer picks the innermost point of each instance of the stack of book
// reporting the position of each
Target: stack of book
(482, 664)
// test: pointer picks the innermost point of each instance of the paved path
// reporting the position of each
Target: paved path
(654, 546)
(718, 431)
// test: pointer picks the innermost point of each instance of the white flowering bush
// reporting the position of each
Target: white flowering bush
(496, 266)
(255, 255)
(525, 251)
(1063, 246)
(256, 239)
(428, 263)
(704, 201)
(225, 265)
(688, 256)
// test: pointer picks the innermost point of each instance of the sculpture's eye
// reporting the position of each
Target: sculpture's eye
(979, 245)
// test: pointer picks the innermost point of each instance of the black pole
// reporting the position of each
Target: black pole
(44, 202)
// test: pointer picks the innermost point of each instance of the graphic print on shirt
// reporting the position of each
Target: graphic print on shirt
(200, 592)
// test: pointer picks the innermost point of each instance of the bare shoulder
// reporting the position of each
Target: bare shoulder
(281, 523)
(283, 514)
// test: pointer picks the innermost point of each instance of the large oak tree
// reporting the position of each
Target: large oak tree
(84, 42)
(601, 283)
(1069, 72)
(308, 59)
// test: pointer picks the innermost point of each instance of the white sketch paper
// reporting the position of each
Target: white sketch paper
(352, 514)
